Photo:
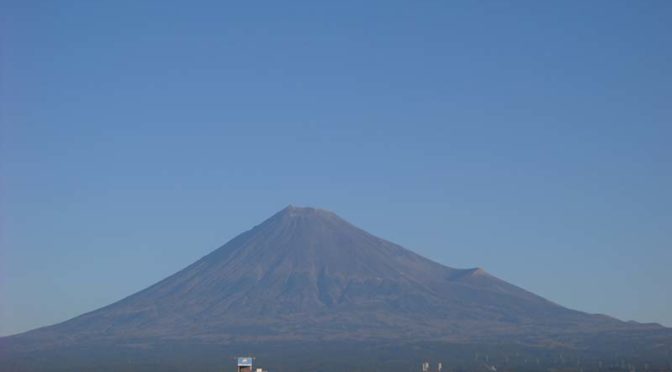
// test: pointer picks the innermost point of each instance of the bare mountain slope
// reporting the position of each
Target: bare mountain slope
(306, 274)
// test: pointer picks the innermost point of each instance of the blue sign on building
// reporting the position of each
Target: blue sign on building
(245, 362)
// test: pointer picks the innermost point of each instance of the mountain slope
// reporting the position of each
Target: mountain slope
(306, 274)
(306, 290)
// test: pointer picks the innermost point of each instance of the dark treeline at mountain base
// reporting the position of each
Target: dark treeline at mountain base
(331, 356)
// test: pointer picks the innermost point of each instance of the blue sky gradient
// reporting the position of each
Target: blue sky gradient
(528, 138)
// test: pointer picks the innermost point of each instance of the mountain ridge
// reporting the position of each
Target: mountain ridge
(307, 275)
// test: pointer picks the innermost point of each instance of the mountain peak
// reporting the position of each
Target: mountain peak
(295, 210)
(292, 212)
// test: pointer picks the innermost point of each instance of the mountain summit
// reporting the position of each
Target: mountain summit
(305, 274)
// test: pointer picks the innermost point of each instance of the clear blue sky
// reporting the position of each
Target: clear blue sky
(529, 138)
